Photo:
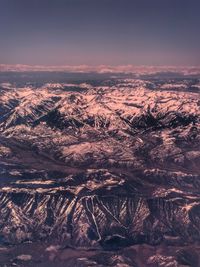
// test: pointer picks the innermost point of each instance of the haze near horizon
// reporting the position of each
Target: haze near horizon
(108, 32)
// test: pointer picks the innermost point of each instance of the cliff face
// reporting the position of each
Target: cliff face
(103, 167)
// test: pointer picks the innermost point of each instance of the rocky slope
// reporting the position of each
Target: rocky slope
(102, 167)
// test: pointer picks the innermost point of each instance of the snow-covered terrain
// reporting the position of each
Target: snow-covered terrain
(108, 166)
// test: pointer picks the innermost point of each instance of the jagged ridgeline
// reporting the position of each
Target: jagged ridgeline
(104, 165)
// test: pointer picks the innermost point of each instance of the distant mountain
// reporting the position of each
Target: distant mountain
(139, 70)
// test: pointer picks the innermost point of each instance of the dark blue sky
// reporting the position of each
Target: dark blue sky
(93, 32)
